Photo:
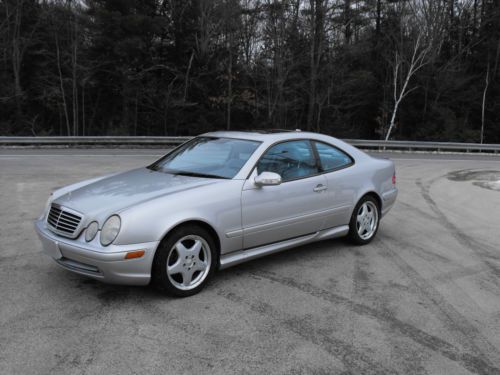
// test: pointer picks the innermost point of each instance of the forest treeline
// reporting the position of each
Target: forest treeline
(374, 69)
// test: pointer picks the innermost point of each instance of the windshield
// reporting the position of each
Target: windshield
(208, 157)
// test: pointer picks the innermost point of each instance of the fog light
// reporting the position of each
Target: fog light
(134, 254)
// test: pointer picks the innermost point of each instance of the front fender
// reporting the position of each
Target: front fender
(218, 205)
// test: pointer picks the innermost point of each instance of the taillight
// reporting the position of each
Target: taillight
(394, 178)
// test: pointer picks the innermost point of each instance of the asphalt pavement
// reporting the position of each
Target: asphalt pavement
(422, 298)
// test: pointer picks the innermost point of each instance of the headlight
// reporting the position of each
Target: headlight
(91, 231)
(110, 230)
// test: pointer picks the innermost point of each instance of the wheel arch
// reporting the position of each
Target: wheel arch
(200, 223)
(373, 194)
(203, 224)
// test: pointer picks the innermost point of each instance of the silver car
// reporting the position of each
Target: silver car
(216, 201)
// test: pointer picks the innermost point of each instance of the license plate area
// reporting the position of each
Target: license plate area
(52, 249)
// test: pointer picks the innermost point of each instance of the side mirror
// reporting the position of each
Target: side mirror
(267, 179)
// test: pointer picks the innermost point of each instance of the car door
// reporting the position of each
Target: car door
(294, 208)
(336, 166)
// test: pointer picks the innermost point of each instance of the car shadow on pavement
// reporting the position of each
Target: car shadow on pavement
(297, 255)
(116, 294)
(108, 294)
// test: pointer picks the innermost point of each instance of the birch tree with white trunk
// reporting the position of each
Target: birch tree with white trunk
(483, 106)
(402, 76)
(422, 28)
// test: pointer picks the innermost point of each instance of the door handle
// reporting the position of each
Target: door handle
(319, 188)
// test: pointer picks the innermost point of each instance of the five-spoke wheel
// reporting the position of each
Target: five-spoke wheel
(189, 262)
(185, 260)
(364, 221)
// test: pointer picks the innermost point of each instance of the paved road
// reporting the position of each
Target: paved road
(422, 298)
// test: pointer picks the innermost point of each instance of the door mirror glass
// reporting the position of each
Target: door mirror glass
(267, 179)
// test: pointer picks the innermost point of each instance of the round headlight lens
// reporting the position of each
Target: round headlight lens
(110, 230)
(91, 231)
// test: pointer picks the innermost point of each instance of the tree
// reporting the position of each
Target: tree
(402, 76)
(317, 9)
(418, 38)
(411, 69)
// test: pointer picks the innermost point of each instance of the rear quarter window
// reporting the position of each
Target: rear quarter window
(332, 158)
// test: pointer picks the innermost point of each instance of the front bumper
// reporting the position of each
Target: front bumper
(106, 264)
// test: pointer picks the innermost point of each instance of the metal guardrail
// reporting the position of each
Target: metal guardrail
(172, 141)
(91, 141)
(425, 146)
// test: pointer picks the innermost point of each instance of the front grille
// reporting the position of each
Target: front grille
(64, 222)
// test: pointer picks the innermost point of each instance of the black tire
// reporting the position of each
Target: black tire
(354, 234)
(160, 276)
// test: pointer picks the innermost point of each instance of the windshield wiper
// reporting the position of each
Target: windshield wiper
(196, 174)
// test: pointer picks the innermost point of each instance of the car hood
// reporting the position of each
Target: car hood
(118, 192)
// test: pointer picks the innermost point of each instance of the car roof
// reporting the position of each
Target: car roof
(273, 135)
(268, 138)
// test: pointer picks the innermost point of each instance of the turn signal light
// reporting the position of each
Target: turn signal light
(394, 178)
(134, 254)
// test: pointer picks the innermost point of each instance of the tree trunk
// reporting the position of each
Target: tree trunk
(136, 113)
(186, 78)
(16, 62)
(377, 27)
(418, 60)
(167, 103)
(74, 76)
(347, 21)
(474, 19)
(83, 109)
(393, 119)
(497, 59)
(95, 108)
(312, 91)
(61, 84)
(487, 82)
(316, 31)
(229, 82)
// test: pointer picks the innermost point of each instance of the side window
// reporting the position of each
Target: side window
(291, 160)
(331, 157)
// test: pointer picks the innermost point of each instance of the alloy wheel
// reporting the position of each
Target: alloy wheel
(367, 220)
(188, 262)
